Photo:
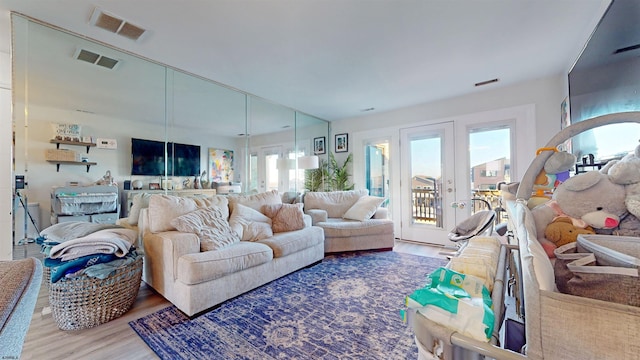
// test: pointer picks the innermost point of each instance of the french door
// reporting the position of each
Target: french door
(427, 182)
(449, 171)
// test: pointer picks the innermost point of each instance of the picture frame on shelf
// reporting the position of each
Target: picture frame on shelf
(342, 143)
(154, 186)
(319, 145)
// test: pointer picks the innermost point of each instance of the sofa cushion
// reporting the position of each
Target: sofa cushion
(348, 228)
(364, 208)
(290, 242)
(210, 225)
(250, 224)
(140, 201)
(210, 265)
(284, 217)
(255, 201)
(336, 203)
(164, 208)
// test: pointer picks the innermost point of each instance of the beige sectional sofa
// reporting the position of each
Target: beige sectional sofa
(352, 220)
(201, 266)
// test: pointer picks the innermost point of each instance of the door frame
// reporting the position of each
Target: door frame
(524, 140)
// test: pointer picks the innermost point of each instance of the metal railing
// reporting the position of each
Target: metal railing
(427, 204)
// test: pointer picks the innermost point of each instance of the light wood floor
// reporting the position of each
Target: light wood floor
(115, 339)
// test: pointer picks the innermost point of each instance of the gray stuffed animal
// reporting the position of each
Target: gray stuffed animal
(589, 199)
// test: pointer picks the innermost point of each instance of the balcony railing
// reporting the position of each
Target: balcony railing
(427, 204)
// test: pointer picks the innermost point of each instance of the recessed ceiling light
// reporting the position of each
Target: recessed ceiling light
(486, 82)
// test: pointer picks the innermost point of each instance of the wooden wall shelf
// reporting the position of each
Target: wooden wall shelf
(76, 143)
(61, 162)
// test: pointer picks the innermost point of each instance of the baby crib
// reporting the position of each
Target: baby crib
(558, 326)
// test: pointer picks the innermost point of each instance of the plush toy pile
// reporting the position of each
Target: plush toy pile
(604, 202)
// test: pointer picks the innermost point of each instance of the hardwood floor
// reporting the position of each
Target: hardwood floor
(115, 339)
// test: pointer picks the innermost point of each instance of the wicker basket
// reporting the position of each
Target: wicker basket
(84, 302)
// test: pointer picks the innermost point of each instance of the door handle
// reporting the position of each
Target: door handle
(458, 205)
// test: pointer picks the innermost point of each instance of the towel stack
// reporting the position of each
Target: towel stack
(78, 248)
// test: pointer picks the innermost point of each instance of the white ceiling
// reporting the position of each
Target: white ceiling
(334, 58)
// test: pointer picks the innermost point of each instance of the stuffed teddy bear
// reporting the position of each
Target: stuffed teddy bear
(555, 171)
(626, 172)
(561, 231)
(588, 199)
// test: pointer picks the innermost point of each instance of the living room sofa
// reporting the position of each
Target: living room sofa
(352, 220)
(183, 267)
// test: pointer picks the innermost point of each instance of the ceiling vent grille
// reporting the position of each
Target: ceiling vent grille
(96, 59)
(116, 25)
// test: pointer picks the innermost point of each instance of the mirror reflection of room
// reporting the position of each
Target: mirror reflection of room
(138, 126)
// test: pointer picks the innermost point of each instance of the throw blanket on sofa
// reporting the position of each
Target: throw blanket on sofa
(115, 241)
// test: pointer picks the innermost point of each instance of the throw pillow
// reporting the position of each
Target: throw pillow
(164, 208)
(250, 224)
(285, 217)
(335, 203)
(364, 208)
(140, 201)
(255, 201)
(210, 225)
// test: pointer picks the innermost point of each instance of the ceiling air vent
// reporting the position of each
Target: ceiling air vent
(96, 59)
(116, 25)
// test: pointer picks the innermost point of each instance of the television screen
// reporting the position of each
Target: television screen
(186, 160)
(147, 157)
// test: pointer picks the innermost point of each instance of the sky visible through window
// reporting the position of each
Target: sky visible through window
(484, 146)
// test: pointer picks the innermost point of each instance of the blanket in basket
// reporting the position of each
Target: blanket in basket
(115, 241)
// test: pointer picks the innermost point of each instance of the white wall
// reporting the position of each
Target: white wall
(545, 94)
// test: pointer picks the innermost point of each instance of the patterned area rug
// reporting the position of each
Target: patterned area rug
(346, 307)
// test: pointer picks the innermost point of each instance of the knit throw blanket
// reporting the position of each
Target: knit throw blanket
(109, 241)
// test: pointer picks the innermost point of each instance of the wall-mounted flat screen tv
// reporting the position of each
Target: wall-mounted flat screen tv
(186, 159)
(148, 158)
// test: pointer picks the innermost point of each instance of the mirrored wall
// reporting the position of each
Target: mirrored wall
(124, 105)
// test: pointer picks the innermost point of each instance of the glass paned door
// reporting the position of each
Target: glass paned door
(490, 161)
(427, 173)
(377, 168)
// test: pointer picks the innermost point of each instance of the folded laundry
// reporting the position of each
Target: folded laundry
(59, 268)
(115, 241)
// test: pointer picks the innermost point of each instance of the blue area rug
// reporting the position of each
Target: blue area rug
(346, 307)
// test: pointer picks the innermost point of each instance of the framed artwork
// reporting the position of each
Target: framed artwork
(342, 143)
(319, 145)
(220, 165)
(154, 186)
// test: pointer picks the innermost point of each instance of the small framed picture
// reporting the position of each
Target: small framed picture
(154, 186)
(342, 143)
(319, 145)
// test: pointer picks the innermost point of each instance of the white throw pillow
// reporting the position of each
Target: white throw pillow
(364, 208)
(250, 224)
(210, 225)
(140, 201)
(255, 201)
(164, 208)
